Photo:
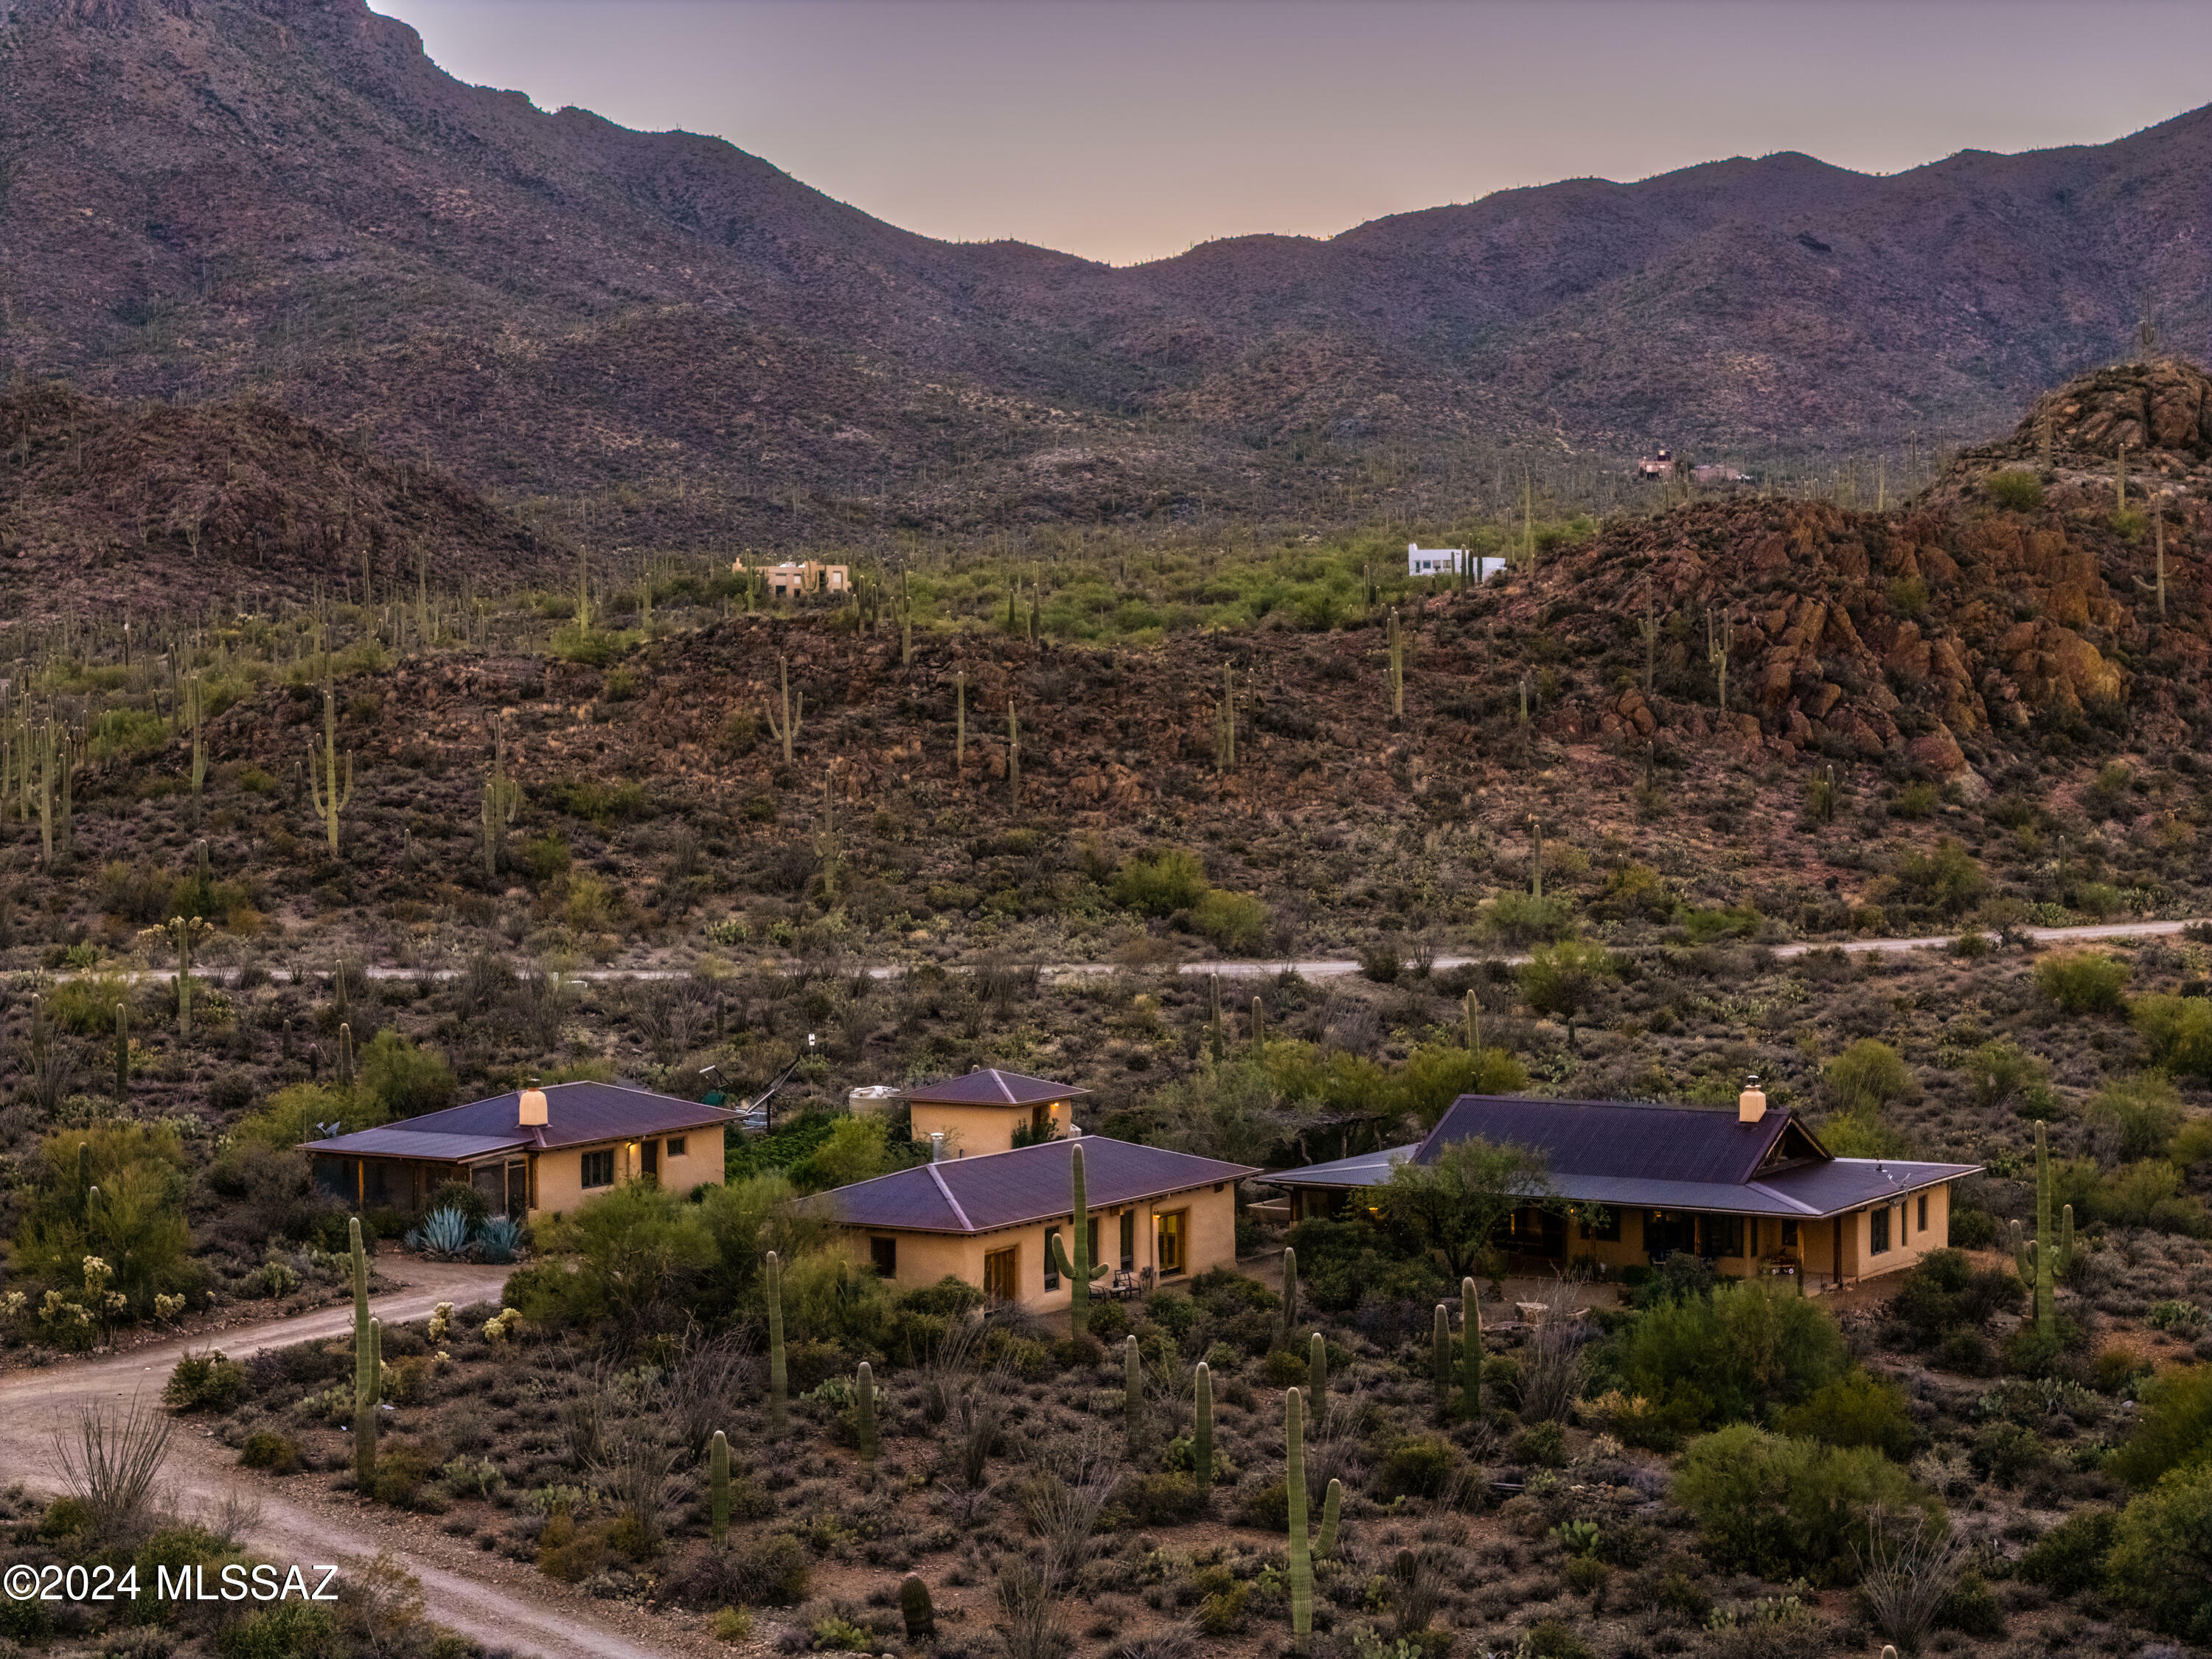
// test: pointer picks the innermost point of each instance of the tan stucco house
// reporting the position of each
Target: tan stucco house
(989, 1110)
(1155, 1217)
(1752, 1191)
(530, 1152)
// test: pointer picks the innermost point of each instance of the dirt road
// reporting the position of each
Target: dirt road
(499, 1603)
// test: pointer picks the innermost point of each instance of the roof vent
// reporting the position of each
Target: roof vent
(531, 1111)
(1751, 1104)
(936, 1145)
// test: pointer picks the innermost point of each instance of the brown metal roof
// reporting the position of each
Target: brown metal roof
(1614, 1138)
(986, 1086)
(577, 1114)
(1014, 1188)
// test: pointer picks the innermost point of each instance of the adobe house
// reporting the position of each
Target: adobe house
(791, 580)
(991, 1111)
(1154, 1216)
(1752, 1191)
(529, 1152)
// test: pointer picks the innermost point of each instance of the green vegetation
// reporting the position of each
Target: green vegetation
(1782, 1507)
(2084, 983)
(2015, 490)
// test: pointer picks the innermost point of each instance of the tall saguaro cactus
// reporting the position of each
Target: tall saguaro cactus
(122, 1051)
(1132, 1391)
(1214, 1037)
(959, 719)
(1317, 1375)
(1301, 1584)
(2042, 1259)
(864, 1411)
(1470, 1360)
(1440, 1357)
(367, 1365)
(1397, 671)
(1332, 1506)
(718, 1485)
(1201, 1428)
(778, 1378)
(502, 800)
(331, 793)
(792, 714)
(1079, 1270)
(196, 717)
(1289, 1313)
(1013, 751)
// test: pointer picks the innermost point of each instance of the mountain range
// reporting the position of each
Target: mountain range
(662, 340)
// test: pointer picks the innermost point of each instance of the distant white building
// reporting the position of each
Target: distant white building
(1451, 561)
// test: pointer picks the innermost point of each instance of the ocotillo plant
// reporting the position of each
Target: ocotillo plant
(1470, 1359)
(1332, 1506)
(1301, 1551)
(1440, 1357)
(864, 1411)
(1132, 1392)
(915, 1609)
(778, 1379)
(2042, 1259)
(1290, 1311)
(1317, 1375)
(718, 1485)
(122, 1051)
(1079, 1270)
(367, 1375)
(787, 732)
(1201, 1428)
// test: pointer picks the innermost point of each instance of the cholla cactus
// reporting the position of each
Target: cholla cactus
(441, 1321)
(502, 1325)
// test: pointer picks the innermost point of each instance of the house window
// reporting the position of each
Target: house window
(1174, 1236)
(1051, 1263)
(1667, 1230)
(1000, 1274)
(1788, 1235)
(675, 1144)
(1128, 1241)
(1724, 1235)
(1878, 1230)
(600, 1169)
(883, 1253)
(652, 1163)
(1921, 1226)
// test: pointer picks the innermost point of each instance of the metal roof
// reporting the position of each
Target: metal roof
(1617, 1136)
(986, 1086)
(576, 1114)
(1014, 1188)
(1367, 1170)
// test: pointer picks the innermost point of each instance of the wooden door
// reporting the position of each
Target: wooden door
(1002, 1274)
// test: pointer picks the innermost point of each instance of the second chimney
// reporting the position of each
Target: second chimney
(531, 1111)
(1751, 1104)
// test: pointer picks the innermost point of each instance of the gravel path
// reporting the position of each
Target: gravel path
(501, 1603)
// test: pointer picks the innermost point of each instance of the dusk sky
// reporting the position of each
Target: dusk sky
(1128, 129)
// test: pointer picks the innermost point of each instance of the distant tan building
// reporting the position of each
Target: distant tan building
(1155, 1217)
(991, 1111)
(789, 580)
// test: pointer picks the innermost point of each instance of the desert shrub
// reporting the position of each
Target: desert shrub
(1867, 1076)
(404, 1080)
(2147, 1193)
(1945, 879)
(568, 1552)
(402, 1474)
(1710, 924)
(2178, 1030)
(1561, 980)
(1727, 1356)
(2083, 983)
(855, 1149)
(1972, 1608)
(204, 1381)
(1555, 1638)
(2004, 1452)
(2002, 1071)
(639, 1252)
(289, 1629)
(1420, 1466)
(296, 1112)
(2070, 1556)
(2173, 1428)
(2161, 1559)
(1236, 922)
(1344, 1263)
(1519, 918)
(1782, 1507)
(1856, 1409)
(274, 1454)
(2015, 488)
(1160, 1498)
(1944, 1293)
(770, 1571)
(1437, 1073)
(1544, 1444)
(1159, 883)
(137, 1228)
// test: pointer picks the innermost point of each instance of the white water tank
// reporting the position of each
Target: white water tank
(871, 1100)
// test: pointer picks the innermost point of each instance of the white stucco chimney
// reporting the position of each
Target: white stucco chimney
(937, 1146)
(529, 1113)
(1751, 1104)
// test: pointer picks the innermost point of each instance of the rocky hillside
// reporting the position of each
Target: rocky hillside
(145, 509)
(288, 195)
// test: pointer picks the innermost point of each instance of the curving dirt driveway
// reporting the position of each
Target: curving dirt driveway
(498, 1602)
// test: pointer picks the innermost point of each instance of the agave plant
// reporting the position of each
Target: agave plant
(443, 1232)
(499, 1238)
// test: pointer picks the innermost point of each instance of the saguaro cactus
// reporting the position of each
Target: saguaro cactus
(1317, 1375)
(502, 800)
(1201, 1428)
(959, 718)
(1013, 751)
(1470, 1359)
(778, 1379)
(182, 931)
(1077, 1270)
(1397, 668)
(1301, 1550)
(196, 717)
(718, 1485)
(914, 1607)
(330, 793)
(1332, 1506)
(2042, 1259)
(864, 1411)
(1648, 627)
(122, 1051)
(1259, 1027)
(1289, 1314)
(345, 1055)
(1718, 646)
(1535, 856)
(1132, 1391)
(1214, 1015)
(1440, 1357)
(792, 714)
(367, 1368)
